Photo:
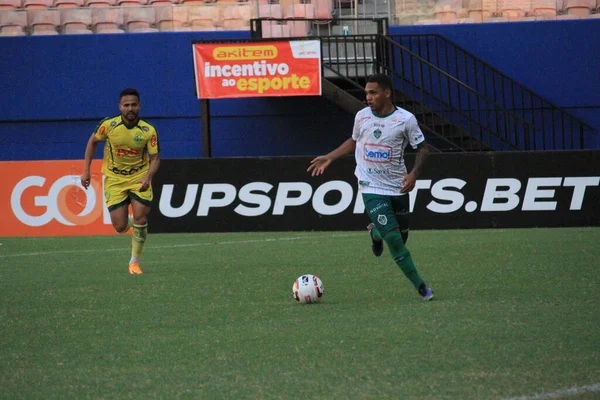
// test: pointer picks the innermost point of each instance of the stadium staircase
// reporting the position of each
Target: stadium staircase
(461, 102)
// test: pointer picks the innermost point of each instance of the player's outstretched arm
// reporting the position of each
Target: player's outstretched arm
(90, 150)
(319, 164)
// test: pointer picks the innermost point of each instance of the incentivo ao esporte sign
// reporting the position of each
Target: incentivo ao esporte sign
(231, 70)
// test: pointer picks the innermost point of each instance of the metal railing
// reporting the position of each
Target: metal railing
(555, 128)
(451, 92)
(440, 102)
(455, 102)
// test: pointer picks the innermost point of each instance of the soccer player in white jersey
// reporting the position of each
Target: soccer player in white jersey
(381, 133)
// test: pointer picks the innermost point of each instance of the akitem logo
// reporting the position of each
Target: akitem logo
(237, 53)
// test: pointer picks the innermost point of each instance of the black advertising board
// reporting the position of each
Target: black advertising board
(473, 190)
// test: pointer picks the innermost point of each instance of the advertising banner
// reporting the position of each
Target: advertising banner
(45, 198)
(477, 190)
(483, 190)
(265, 69)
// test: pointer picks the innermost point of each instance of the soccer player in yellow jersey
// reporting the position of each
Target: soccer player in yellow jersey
(131, 159)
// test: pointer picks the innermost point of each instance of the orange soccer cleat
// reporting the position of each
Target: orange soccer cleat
(134, 268)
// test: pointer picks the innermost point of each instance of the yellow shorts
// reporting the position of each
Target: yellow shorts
(120, 191)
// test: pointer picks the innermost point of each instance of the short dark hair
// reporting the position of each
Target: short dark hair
(382, 80)
(129, 92)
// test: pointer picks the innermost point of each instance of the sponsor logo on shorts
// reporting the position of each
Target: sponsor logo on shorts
(376, 208)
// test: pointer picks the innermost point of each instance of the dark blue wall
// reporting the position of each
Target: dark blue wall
(54, 89)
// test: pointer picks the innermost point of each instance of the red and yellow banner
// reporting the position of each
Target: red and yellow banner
(265, 69)
(45, 198)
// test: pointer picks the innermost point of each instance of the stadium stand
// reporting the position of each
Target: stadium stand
(139, 19)
(68, 3)
(44, 21)
(171, 18)
(237, 17)
(543, 8)
(13, 23)
(446, 11)
(323, 9)
(270, 11)
(76, 21)
(10, 4)
(580, 8)
(101, 3)
(203, 18)
(38, 3)
(131, 3)
(107, 20)
(295, 15)
(273, 29)
(514, 10)
(281, 18)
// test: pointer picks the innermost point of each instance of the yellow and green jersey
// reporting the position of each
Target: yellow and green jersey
(126, 152)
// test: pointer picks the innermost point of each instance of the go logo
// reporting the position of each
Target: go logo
(66, 201)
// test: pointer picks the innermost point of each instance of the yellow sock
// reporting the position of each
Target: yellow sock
(137, 241)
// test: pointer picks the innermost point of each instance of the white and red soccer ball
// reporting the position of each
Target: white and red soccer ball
(308, 289)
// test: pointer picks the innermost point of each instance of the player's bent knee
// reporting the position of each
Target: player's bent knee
(394, 241)
(140, 220)
(120, 229)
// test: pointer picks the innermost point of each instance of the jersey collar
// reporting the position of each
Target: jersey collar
(383, 116)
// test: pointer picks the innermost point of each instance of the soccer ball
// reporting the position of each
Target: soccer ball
(308, 289)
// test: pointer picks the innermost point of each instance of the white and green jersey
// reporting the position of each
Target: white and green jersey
(380, 143)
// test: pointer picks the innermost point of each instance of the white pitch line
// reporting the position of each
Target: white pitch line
(572, 391)
(173, 246)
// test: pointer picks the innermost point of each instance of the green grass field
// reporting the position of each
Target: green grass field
(516, 315)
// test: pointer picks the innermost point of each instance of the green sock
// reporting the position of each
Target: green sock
(137, 240)
(402, 257)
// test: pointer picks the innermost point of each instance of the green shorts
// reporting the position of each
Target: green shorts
(388, 212)
(120, 191)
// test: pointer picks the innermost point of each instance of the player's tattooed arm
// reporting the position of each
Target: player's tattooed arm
(410, 179)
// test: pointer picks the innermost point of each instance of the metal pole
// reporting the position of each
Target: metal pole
(205, 116)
